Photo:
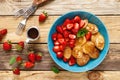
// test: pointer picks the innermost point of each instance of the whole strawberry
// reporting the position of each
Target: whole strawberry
(3, 32)
(43, 16)
(16, 71)
(28, 64)
(20, 46)
(7, 46)
(31, 57)
(19, 59)
(38, 56)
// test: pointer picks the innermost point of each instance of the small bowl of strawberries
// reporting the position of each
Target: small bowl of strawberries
(78, 41)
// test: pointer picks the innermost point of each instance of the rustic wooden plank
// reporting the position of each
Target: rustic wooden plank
(111, 62)
(63, 75)
(58, 7)
(112, 23)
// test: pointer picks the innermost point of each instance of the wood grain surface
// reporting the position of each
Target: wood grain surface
(58, 7)
(112, 23)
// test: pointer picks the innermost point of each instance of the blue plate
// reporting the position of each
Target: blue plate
(92, 63)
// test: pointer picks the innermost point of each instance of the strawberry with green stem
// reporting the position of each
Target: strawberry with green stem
(7, 45)
(43, 16)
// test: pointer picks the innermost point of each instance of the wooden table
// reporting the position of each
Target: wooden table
(107, 10)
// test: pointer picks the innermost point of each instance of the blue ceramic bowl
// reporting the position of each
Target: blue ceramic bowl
(92, 63)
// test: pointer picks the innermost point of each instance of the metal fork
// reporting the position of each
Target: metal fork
(26, 15)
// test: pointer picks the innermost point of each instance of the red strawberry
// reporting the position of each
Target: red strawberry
(72, 43)
(59, 29)
(7, 45)
(3, 32)
(62, 41)
(31, 57)
(59, 55)
(62, 47)
(65, 60)
(66, 22)
(82, 23)
(59, 36)
(67, 39)
(38, 56)
(28, 64)
(54, 36)
(88, 35)
(74, 31)
(16, 71)
(21, 43)
(72, 61)
(72, 36)
(76, 26)
(69, 26)
(43, 16)
(64, 27)
(66, 33)
(19, 59)
(20, 46)
(56, 48)
(56, 43)
(77, 19)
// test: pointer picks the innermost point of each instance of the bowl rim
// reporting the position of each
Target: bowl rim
(106, 51)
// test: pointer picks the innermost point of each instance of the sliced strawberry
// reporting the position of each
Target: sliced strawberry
(59, 35)
(62, 41)
(69, 26)
(3, 32)
(56, 48)
(67, 39)
(19, 59)
(72, 36)
(59, 29)
(28, 64)
(62, 47)
(66, 33)
(16, 71)
(59, 55)
(67, 21)
(88, 35)
(64, 28)
(72, 43)
(56, 43)
(76, 26)
(65, 60)
(72, 61)
(82, 23)
(31, 57)
(74, 31)
(54, 36)
(77, 19)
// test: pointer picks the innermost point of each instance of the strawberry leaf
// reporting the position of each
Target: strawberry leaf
(55, 70)
(12, 60)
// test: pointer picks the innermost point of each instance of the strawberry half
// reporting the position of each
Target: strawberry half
(56, 43)
(59, 55)
(7, 46)
(56, 48)
(54, 36)
(77, 19)
(65, 60)
(82, 23)
(72, 61)
(31, 57)
(69, 26)
(38, 56)
(16, 71)
(28, 64)
(43, 16)
(19, 59)
(72, 36)
(66, 33)
(88, 35)
(59, 29)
